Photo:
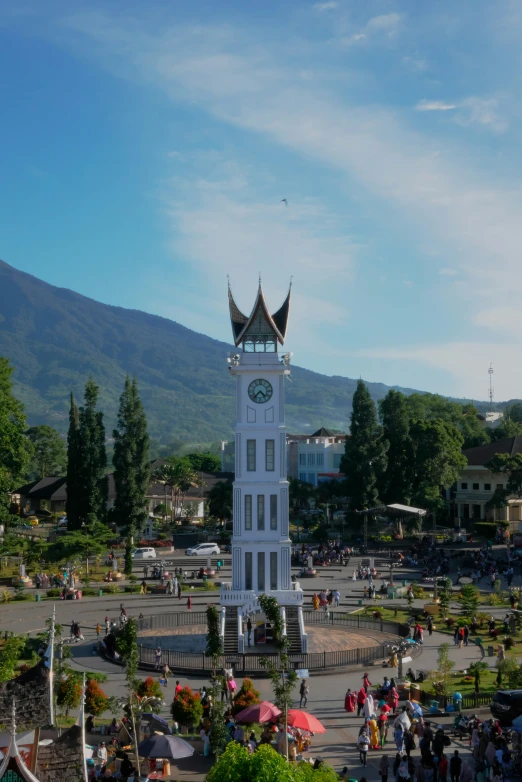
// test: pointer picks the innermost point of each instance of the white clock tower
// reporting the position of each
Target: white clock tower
(261, 547)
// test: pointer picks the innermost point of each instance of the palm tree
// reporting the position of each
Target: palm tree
(186, 478)
(178, 475)
(164, 475)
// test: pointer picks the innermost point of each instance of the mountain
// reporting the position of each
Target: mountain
(56, 338)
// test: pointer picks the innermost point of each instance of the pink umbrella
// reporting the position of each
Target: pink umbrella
(258, 712)
(302, 719)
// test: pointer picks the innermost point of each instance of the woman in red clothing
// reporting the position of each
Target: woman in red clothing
(366, 683)
(350, 700)
(393, 699)
(189, 603)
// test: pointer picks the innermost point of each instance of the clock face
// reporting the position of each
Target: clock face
(260, 391)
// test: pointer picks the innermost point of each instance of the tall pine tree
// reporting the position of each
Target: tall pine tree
(74, 468)
(131, 462)
(93, 489)
(395, 484)
(364, 457)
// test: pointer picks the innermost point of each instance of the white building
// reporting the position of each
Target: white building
(477, 484)
(315, 458)
(261, 548)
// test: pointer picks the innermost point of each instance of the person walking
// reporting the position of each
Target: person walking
(143, 587)
(179, 590)
(466, 635)
(304, 691)
(429, 625)
(98, 631)
(145, 571)
(157, 658)
(189, 603)
(350, 701)
(361, 698)
(249, 630)
(455, 766)
(363, 743)
(398, 736)
(366, 683)
(166, 672)
(336, 598)
(443, 768)
(393, 699)
(107, 626)
(384, 767)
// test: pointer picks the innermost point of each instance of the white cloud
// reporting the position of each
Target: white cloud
(387, 22)
(434, 105)
(481, 111)
(356, 38)
(325, 6)
(416, 63)
(446, 272)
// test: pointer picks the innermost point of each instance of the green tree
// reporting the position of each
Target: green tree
(74, 468)
(432, 407)
(437, 461)
(214, 648)
(15, 448)
(246, 696)
(511, 467)
(203, 462)
(10, 655)
(396, 481)
(364, 458)
(131, 462)
(179, 476)
(93, 458)
(513, 412)
(510, 671)
(49, 451)
(186, 708)
(220, 500)
(89, 541)
(68, 693)
(219, 735)
(237, 765)
(468, 600)
(475, 670)
(441, 677)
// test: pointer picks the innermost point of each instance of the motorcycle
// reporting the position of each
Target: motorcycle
(460, 725)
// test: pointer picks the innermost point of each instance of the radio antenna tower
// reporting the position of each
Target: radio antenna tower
(490, 373)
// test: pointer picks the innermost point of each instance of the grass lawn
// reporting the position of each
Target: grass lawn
(459, 683)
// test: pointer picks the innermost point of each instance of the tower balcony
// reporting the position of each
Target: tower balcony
(251, 360)
(242, 597)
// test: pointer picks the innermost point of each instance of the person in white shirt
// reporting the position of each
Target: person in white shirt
(102, 753)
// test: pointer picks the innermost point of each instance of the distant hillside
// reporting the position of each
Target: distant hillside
(57, 338)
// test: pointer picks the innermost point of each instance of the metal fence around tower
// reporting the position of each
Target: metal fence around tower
(252, 663)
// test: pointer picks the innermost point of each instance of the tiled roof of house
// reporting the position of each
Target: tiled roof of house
(32, 694)
(62, 761)
(482, 454)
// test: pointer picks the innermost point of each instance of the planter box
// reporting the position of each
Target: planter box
(158, 590)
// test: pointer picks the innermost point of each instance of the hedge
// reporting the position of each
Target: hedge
(489, 528)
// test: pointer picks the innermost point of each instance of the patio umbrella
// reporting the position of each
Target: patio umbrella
(156, 723)
(258, 712)
(302, 719)
(168, 747)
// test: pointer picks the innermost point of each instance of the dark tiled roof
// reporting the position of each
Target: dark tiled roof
(197, 492)
(31, 691)
(62, 761)
(281, 316)
(482, 454)
(44, 489)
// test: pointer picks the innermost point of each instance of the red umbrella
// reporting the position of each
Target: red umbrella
(305, 721)
(258, 712)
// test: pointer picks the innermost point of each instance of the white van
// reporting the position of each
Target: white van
(144, 553)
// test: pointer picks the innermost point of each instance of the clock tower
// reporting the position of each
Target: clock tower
(261, 547)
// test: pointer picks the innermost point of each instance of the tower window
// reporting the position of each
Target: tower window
(302, 459)
(302, 477)
(251, 455)
(273, 570)
(248, 511)
(261, 571)
(311, 459)
(248, 570)
(273, 511)
(320, 459)
(269, 455)
(261, 511)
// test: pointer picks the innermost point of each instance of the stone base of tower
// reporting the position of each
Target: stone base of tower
(238, 605)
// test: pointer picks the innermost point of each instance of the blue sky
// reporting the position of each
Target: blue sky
(146, 148)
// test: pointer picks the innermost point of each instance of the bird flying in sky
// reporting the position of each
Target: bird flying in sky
(283, 200)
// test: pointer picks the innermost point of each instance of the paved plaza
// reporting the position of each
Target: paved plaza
(326, 699)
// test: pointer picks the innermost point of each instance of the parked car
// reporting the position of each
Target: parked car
(506, 705)
(144, 553)
(62, 522)
(203, 550)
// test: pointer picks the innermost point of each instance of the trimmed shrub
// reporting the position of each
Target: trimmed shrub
(96, 702)
(246, 696)
(186, 709)
(149, 688)
(54, 592)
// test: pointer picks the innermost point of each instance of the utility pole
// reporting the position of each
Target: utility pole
(490, 373)
(435, 593)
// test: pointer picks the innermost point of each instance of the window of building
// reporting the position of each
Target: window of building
(311, 478)
(260, 571)
(273, 511)
(273, 570)
(248, 511)
(475, 487)
(269, 455)
(487, 487)
(302, 477)
(311, 459)
(463, 485)
(320, 459)
(337, 460)
(302, 459)
(248, 570)
(251, 455)
(260, 511)
(500, 485)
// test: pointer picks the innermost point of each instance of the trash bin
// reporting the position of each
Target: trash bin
(205, 578)
(457, 701)
(37, 597)
(434, 707)
(100, 592)
(404, 583)
(491, 651)
(360, 602)
(391, 593)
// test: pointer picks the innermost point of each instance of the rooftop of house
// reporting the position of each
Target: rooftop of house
(482, 454)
